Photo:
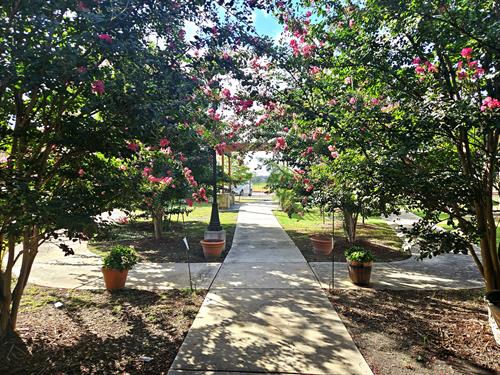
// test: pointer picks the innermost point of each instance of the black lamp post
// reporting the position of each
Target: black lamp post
(214, 225)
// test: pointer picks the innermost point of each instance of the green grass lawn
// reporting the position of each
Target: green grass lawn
(259, 186)
(139, 234)
(375, 234)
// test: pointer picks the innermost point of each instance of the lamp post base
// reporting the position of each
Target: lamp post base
(216, 235)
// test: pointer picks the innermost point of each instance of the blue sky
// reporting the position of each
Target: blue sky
(266, 24)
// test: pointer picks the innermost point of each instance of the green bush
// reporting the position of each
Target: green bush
(358, 254)
(120, 258)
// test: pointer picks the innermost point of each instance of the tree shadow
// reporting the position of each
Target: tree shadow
(102, 332)
(448, 325)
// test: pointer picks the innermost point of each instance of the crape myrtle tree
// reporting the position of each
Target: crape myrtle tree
(82, 81)
(424, 76)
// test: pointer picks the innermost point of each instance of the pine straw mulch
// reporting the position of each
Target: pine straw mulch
(420, 332)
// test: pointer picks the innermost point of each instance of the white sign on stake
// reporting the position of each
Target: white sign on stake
(185, 242)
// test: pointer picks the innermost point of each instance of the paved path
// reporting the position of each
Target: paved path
(447, 271)
(266, 312)
(83, 271)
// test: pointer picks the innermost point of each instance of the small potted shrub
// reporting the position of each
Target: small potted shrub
(116, 265)
(359, 264)
(212, 249)
(322, 244)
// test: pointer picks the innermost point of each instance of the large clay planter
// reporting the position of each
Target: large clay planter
(360, 272)
(114, 279)
(212, 249)
(493, 300)
(322, 245)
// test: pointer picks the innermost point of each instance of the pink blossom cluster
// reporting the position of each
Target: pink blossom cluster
(333, 152)
(280, 144)
(97, 87)
(200, 195)
(105, 38)
(241, 105)
(470, 68)
(422, 67)
(164, 142)
(490, 103)
(261, 119)
(132, 146)
(213, 114)
(221, 148)
(188, 174)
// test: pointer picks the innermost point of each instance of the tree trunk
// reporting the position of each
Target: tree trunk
(5, 291)
(12, 300)
(158, 224)
(350, 224)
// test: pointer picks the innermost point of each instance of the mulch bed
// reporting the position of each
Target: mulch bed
(420, 332)
(381, 253)
(97, 332)
(170, 248)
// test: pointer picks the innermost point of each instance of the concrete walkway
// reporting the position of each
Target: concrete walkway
(447, 271)
(83, 271)
(266, 311)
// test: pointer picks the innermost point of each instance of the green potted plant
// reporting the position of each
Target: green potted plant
(359, 264)
(116, 265)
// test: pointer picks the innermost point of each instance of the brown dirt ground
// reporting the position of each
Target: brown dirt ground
(97, 332)
(381, 253)
(167, 249)
(420, 332)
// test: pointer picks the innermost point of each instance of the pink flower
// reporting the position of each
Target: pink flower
(309, 188)
(308, 14)
(123, 167)
(97, 87)
(220, 148)
(473, 64)
(226, 93)
(351, 23)
(332, 102)
(285, 129)
(261, 119)
(375, 101)
(106, 38)
(132, 146)
(189, 202)
(490, 104)
(416, 61)
(226, 56)
(420, 69)
(146, 171)
(331, 148)
(353, 100)
(280, 144)
(348, 80)
(314, 70)
(479, 72)
(164, 142)
(462, 74)
(430, 67)
(309, 150)
(334, 154)
(81, 172)
(467, 53)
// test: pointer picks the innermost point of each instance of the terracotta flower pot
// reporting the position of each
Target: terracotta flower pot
(212, 249)
(322, 245)
(114, 279)
(360, 272)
